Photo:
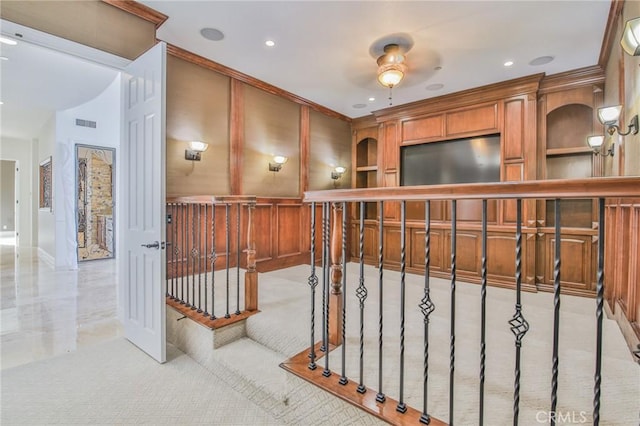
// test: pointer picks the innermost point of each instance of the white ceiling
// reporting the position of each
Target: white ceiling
(325, 50)
(36, 81)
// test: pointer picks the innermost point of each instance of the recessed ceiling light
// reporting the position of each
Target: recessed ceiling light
(3, 58)
(542, 60)
(8, 41)
(508, 63)
(359, 106)
(371, 99)
(270, 43)
(435, 86)
(1, 103)
(212, 34)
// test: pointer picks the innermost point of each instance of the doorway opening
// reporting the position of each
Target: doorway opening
(95, 202)
(8, 203)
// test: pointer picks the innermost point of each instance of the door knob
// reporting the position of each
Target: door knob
(155, 245)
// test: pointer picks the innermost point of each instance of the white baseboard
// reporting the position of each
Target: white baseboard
(46, 257)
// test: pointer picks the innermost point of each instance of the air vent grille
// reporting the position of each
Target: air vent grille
(85, 123)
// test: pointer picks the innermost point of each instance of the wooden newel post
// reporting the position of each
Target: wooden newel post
(336, 300)
(251, 276)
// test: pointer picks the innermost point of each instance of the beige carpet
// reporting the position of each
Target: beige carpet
(114, 383)
(283, 326)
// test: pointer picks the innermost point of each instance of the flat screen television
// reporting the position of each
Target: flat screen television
(468, 160)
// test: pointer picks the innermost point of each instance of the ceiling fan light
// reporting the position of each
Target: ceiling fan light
(391, 75)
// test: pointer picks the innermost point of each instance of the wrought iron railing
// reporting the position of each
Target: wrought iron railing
(333, 206)
(205, 243)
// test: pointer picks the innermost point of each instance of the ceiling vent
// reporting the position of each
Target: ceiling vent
(85, 123)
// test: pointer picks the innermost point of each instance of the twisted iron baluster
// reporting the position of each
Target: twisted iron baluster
(175, 251)
(361, 292)
(327, 264)
(343, 378)
(169, 278)
(189, 255)
(227, 244)
(212, 258)
(519, 325)
(599, 313)
(313, 283)
(402, 406)
(556, 314)
(238, 261)
(173, 245)
(426, 307)
(194, 254)
(199, 259)
(483, 310)
(206, 254)
(325, 345)
(183, 258)
(380, 397)
(452, 343)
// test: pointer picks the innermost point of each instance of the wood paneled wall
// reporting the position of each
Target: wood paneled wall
(326, 153)
(249, 122)
(271, 127)
(622, 268)
(197, 109)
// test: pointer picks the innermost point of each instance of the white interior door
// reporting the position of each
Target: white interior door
(142, 270)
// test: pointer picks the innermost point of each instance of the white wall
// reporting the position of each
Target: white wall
(20, 151)
(105, 111)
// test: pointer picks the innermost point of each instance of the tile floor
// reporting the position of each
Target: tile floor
(45, 312)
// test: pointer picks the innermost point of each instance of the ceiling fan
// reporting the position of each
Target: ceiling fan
(391, 66)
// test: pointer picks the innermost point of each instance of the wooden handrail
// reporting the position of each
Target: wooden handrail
(607, 187)
(214, 199)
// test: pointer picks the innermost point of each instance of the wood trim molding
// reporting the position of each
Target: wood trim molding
(471, 97)
(236, 137)
(305, 148)
(298, 365)
(363, 122)
(237, 75)
(139, 10)
(615, 13)
(571, 79)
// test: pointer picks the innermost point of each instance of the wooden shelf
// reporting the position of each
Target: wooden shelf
(568, 151)
(366, 168)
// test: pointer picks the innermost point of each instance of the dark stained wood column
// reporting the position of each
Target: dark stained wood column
(336, 299)
(251, 276)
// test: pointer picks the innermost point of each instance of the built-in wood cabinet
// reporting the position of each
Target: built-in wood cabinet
(543, 123)
(567, 116)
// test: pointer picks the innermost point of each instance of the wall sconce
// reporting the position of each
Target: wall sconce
(276, 164)
(631, 37)
(595, 143)
(196, 148)
(609, 117)
(338, 172)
